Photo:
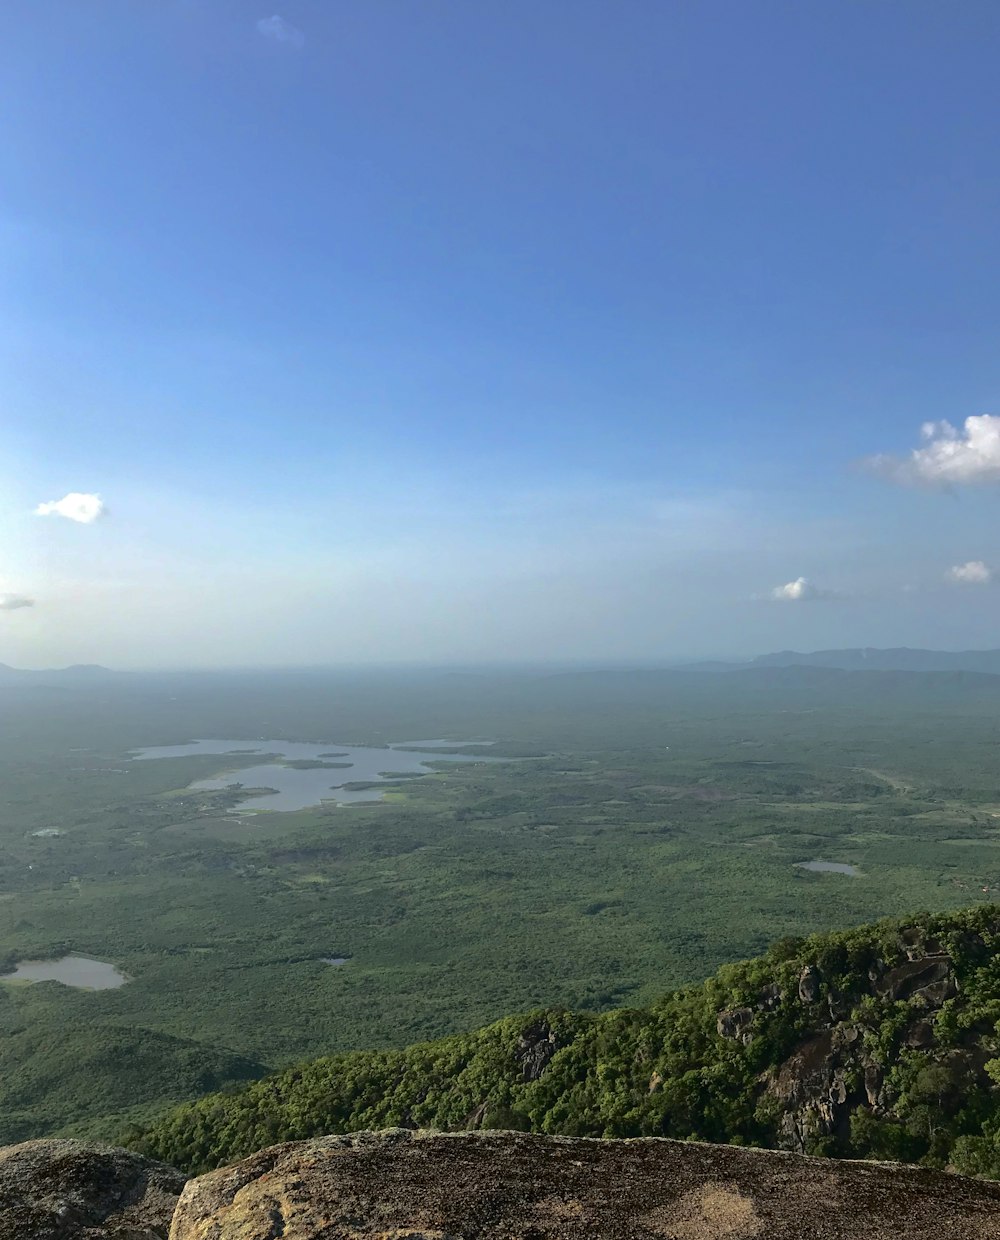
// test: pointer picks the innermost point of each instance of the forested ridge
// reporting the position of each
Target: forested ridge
(880, 1042)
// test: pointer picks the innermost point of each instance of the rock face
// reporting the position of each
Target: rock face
(813, 1086)
(401, 1185)
(535, 1049)
(930, 979)
(72, 1190)
(735, 1024)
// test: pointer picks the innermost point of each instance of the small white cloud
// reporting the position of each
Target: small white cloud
(800, 590)
(76, 506)
(284, 32)
(11, 602)
(951, 456)
(973, 573)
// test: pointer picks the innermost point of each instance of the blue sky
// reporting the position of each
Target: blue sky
(437, 330)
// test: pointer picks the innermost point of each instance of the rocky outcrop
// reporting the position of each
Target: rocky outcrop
(736, 1024)
(401, 1185)
(811, 1086)
(833, 1071)
(535, 1048)
(809, 984)
(405, 1185)
(72, 1190)
(928, 979)
(824, 1080)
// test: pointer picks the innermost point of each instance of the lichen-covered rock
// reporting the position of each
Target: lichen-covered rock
(401, 1185)
(73, 1190)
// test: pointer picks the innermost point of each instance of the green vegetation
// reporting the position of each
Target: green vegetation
(809, 1046)
(598, 870)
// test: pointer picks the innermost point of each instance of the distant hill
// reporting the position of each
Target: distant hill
(99, 1064)
(879, 1042)
(860, 659)
(897, 659)
(865, 659)
(75, 672)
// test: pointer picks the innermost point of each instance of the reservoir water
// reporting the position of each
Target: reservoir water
(77, 971)
(829, 867)
(305, 775)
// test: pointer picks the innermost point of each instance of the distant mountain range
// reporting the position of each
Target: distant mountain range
(860, 659)
(868, 659)
(77, 671)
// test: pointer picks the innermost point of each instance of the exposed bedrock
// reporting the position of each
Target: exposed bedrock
(403, 1185)
(75, 1190)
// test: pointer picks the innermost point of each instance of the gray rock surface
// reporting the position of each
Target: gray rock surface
(74, 1190)
(401, 1185)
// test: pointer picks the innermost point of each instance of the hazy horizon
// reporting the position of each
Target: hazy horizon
(528, 666)
(582, 332)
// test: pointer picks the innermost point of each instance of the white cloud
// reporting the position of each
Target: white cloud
(969, 455)
(284, 32)
(800, 590)
(76, 506)
(11, 602)
(973, 573)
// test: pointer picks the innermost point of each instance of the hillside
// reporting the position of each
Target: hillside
(100, 1069)
(879, 1042)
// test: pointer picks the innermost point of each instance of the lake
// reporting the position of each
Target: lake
(307, 785)
(79, 971)
(829, 867)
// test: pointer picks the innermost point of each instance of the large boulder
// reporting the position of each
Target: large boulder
(928, 979)
(73, 1190)
(402, 1185)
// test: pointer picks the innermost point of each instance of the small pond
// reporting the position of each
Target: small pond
(79, 971)
(308, 774)
(829, 867)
